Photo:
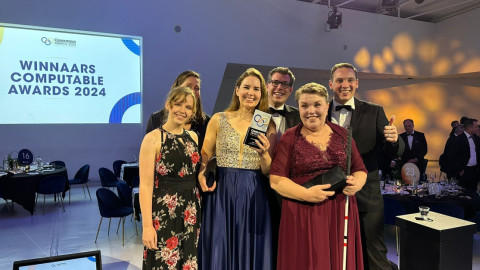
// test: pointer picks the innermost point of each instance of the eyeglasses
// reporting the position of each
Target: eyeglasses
(282, 84)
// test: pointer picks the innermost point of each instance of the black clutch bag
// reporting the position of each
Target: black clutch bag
(336, 177)
(211, 171)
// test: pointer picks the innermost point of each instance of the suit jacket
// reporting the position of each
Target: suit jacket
(461, 153)
(292, 116)
(367, 122)
(419, 148)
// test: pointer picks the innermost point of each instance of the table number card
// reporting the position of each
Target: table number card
(258, 125)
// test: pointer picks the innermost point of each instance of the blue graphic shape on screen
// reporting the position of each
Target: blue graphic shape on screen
(132, 46)
(122, 106)
(91, 258)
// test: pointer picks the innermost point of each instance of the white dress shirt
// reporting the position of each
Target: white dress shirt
(472, 161)
(279, 121)
(344, 116)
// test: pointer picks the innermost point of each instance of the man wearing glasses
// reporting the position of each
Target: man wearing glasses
(279, 87)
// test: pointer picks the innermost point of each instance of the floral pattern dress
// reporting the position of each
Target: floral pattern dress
(175, 205)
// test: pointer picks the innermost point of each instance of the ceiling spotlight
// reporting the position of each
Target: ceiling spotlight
(334, 19)
(389, 5)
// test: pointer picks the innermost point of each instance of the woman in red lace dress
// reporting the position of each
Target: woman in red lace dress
(312, 220)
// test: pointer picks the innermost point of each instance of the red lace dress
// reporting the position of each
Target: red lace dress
(311, 235)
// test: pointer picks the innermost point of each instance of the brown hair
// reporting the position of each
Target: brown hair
(235, 102)
(284, 71)
(312, 88)
(199, 115)
(343, 65)
(179, 94)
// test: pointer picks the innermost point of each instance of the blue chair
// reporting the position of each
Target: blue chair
(81, 178)
(107, 178)
(117, 167)
(476, 219)
(136, 181)
(111, 206)
(6, 201)
(125, 193)
(51, 185)
(448, 209)
(392, 209)
(58, 163)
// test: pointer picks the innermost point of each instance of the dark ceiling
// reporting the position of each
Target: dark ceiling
(422, 10)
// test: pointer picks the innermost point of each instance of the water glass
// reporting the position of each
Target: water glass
(424, 211)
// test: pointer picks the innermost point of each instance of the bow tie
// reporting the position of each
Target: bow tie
(339, 107)
(280, 112)
(410, 134)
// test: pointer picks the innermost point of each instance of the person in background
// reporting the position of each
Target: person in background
(313, 219)
(446, 159)
(279, 87)
(466, 155)
(199, 121)
(371, 131)
(236, 228)
(169, 197)
(454, 124)
(415, 149)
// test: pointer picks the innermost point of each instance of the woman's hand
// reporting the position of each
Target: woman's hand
(263, 145)
(318, 193)
(355, 183)
(202, 180)
(149, 237)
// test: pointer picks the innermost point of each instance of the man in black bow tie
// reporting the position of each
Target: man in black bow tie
(279, 87)
(371, 131)
(415, 147)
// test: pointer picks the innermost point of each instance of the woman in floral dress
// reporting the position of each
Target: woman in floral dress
(169, 197)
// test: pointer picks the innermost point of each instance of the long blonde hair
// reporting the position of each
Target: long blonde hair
(235, 102)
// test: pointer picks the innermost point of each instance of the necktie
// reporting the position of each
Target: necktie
(280, 112)
(339, 107)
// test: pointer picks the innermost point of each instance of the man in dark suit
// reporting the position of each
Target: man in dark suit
(466, 156)
(446, 159)
(279, 87)
(372, 132)
(415, 147)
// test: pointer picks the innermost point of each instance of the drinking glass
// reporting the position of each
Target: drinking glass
(424, 211)
(433, 176)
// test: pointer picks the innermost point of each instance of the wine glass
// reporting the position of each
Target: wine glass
(433, 176)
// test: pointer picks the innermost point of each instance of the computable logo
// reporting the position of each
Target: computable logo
(261, 121)
(46, 41)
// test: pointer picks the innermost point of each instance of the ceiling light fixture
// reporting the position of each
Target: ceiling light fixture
(334, 19)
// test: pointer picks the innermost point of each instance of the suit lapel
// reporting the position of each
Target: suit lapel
(357, 114)
(288, 117)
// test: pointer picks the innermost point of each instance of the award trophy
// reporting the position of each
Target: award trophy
(258, 125)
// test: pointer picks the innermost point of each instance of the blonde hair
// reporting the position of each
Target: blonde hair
(312, 88)
(263, 104)
(179, 94)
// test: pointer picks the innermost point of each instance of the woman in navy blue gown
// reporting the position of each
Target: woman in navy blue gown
(236, 228)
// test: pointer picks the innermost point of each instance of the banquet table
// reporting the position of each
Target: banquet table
(469, 202)
(21, 188)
